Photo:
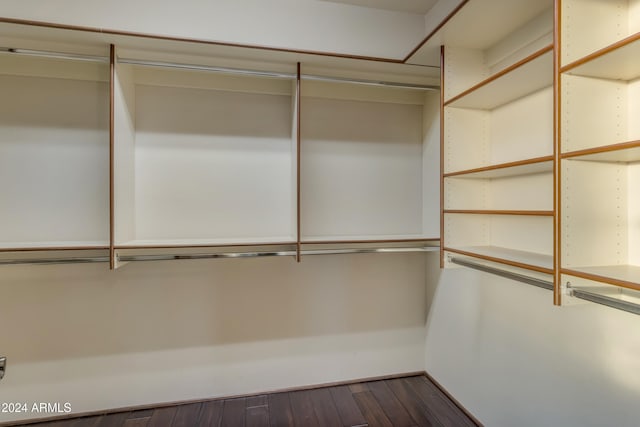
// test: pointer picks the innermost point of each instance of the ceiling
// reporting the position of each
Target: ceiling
(410, 6)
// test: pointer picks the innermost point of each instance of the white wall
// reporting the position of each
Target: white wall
(168, 331)
(294, 24)
(513, 359)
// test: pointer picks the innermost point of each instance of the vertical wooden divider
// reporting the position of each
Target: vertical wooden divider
(112, 75)
(442, 156)
(298, 104)
(557, 172)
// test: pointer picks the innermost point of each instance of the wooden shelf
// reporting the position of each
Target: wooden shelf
(498, 212)
(523, 78)
(503, 170)
(618, 61)
(202, 243)
(626, 152)
(515, 258)
(626, 276)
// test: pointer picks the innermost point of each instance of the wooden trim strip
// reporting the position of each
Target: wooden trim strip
(106, 31)
(502, 261)
(442, 149)
(603, 149)
(112, 77)
(499, 74)
(501, 166)
(53, 248)
(235, 396)
(557, 172)
(204, 246)
(498, 212)
(298, 156)
(598, 278)
(608, 49)
(454, 400)
(435, 30)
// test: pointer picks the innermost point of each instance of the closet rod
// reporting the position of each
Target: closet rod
(68, 260)
(274, 74)
(168, 257)
(55, 55)
(545, 284)
(586, 295)
(367, 251)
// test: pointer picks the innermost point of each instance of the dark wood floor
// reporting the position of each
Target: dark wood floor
(411, 401)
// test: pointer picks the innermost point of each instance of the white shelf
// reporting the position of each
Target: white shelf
(498, 254)
(205, 242)
(506, 170)
(623, 275)
(54, 245)
(616, 62)
(621, 153)
(530, 77)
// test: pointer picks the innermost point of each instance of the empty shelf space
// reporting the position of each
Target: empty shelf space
(626, 276)
(515, 258)
(618, 61)
(523, 78)
(521, 167)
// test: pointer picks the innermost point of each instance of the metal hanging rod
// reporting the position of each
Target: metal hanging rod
(55, 55)
(368, 82)
(366, 251)
(61, 260)
(168, 257)
(545, 284)
(618, 304)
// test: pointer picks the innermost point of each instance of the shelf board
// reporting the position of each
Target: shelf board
(503, 170)
(625, 152)
(527, 76)
(498, 212)
(512, 257)
(618, 61)
(626, 276)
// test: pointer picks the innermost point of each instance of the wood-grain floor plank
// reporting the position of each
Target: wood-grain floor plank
(187, 415)
(324, 407)
(257, 412)
(91, 421)
(390, 404)
(162, 417)
(448, 414)
(136, 422)
(302, 408)
(412, 402)
(347, 407)
(280, 413)
(234, 412)
(371, 410)
(211, 413)
(116, 419)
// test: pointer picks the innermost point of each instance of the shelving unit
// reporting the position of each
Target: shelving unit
(368, 163)
(498, 143)
(54, 154)
(600, 145)
(202, 158)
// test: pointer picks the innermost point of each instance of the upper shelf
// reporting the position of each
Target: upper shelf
(625, 275)
(618, 61)
(504, 170)
(626, 152)
(515, 258)
(529, 75)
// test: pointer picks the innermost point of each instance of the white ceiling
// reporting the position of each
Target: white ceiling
(411, 6)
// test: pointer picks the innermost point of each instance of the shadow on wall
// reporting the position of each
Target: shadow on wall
(64, 312)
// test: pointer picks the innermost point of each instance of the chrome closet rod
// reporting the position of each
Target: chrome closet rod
(545, 284)
(68, 260)
(168, 257)
(55, 55)
(586, 295)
